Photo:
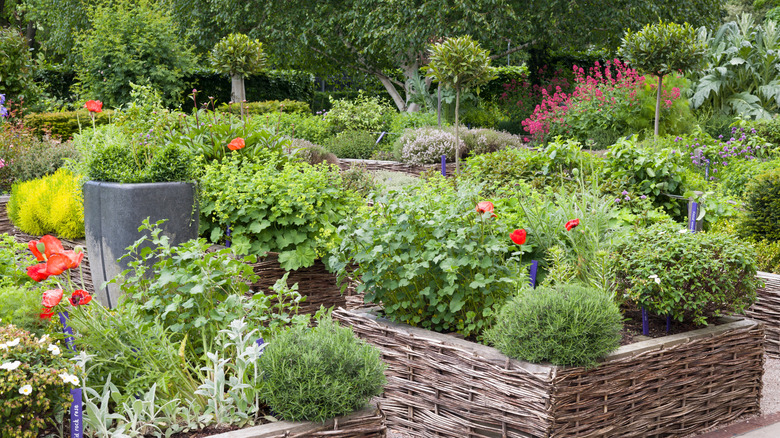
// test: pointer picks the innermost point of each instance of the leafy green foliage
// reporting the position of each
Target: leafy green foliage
(699, 275)
(288, 207)
(740, 77)
(663, 48)
(132, 42)
(366, 113)
(120, 163)
(352, 144)
(311, 153)
(21, 306)
(645, 171)
(402, 121)
(16, 67)
(268, 107)
(25, 415)
(64, 124)
(563, 325)
(430, 258)
(319, 373)
(237, 54)
(762, 207)
(52, 204)
(14, 257)
(267, 85)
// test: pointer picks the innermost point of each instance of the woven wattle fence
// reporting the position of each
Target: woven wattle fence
(767, 309)
(439, 385)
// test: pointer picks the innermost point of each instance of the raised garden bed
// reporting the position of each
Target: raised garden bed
(767, 309)
(366, 423)
(440, 385)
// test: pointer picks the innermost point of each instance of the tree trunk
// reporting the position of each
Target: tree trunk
(397, 99)
(658, 105)
(31, 30)
(237, 93)
(457, 134)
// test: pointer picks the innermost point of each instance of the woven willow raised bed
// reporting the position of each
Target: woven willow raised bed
(767, 310)
(439, 385)
(366, 423)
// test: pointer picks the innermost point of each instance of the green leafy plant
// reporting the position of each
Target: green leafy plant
(52, 204)
(16, 67)
(34, 382)
(268, 107)
(238, 56)
(762, 207)
(430, 258)
(662, 49)
(319, 373)
(21, 306)
(352, 144)
(14, 256)
(311, 153)
(460, 64)
(563, 325)
(119, 163)
(365, 113)
(288, 207)
(688, 276)
(740, 76)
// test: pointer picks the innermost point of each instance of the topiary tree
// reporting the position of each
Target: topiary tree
(661, 49)
(461, 64)
(132, 41)
(238, 55)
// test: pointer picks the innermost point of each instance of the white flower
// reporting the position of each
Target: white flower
(55, 350)
(69, 378)
(14, 343)
(655, 278)
(683, 231)
(3, 346)
(10, 366)
(25, 390)
(43, 339)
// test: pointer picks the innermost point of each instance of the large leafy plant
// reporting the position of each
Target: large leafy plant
(430, 258)
(274, 205)
(741, 76)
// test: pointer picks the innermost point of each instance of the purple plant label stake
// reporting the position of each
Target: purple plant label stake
(381, 136)
(668, 323)
(645, 327)
(260, 343)
(692, 219)
(76, 423)
(534, 269)
(227, 233)
(443, 165)
(707, 172)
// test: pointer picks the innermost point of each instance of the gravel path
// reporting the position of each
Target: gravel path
(770, 402)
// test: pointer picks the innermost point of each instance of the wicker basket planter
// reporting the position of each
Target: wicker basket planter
(767, 310)
(440, 385)
(366, 423)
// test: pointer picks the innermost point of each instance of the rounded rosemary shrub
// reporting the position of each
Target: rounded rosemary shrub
(563, 325)
(319, 373)
(352, 144)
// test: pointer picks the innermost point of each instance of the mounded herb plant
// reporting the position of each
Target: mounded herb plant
(51, 204)
(688, 276)
(319, 373)
(564, 325)
(276, 205)
(430, 257)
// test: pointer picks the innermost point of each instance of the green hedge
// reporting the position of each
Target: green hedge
(64, 124)
(269, 106)
(271, 85)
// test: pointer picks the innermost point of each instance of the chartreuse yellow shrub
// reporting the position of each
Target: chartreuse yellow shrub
(49, 205)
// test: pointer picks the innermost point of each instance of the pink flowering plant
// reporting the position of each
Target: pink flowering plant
(610, 97)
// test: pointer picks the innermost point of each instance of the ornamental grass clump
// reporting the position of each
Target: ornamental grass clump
(688, 276)
(319, 373)
(563, 325)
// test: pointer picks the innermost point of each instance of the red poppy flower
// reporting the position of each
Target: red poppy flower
(33, 245)
(79, 297)
(57, 264)
(38, 272)
(236, 144)
(52, 244)
(51, 297)
(572, 224)
(94, 106)
(73, 258)
(518, 236)
(485, 207)
(46, 313)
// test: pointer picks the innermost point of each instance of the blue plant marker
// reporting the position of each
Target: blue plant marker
(534, 269)
(260, 343)
(443, 165)
(381, 136)
(68, 330)
(668, 323)
(645, 327)
(227, 233)
(692, 218)
(76, 422)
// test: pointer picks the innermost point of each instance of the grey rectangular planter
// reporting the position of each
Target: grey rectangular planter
(112, 214)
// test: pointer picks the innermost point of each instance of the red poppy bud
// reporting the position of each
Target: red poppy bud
(51, 297)
(236, 144)
(38, 272)
(518, 236)
(572, 224)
